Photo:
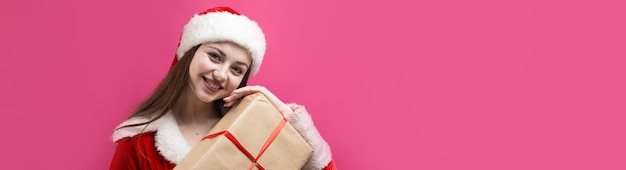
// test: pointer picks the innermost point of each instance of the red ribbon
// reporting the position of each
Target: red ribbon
(238, 144)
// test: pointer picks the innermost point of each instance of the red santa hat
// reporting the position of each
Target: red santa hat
(224, 24)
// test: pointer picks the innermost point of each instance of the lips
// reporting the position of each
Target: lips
(212, 85)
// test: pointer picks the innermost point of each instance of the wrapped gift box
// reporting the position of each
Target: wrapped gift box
(252, 135)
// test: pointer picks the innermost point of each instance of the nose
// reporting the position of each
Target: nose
(219, 75)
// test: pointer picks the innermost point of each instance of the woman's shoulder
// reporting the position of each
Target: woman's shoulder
(139, 152)
(145, 137)
(160, 135)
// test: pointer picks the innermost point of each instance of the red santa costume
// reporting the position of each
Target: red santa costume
(161, 145)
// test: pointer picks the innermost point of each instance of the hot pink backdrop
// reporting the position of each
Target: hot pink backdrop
(440, 85)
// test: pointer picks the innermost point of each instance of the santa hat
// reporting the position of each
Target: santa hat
(224, 24)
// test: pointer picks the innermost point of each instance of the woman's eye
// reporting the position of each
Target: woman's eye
(238, 70)
(214, 56)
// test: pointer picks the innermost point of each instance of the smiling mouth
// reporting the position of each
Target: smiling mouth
(212, 85)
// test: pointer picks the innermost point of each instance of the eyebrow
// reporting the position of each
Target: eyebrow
(242, 63)
(224, 54)
(219, 51)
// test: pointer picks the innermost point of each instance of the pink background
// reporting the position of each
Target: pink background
(439, 85)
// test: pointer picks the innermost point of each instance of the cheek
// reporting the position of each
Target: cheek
(233, 83)
(198, 68)
(191, 73)
(193, 66)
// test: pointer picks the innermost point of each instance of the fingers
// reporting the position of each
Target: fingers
(239, 93)
(244, 91)
(249, 90)
(229, 104)
(232, 99)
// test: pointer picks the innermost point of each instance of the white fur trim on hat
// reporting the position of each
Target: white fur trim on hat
(224, 26)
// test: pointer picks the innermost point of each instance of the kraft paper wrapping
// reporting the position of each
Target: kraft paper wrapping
(251, 123)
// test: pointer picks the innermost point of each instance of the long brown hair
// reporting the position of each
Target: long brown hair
(170, 89)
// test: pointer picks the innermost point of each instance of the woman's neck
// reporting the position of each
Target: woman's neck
(191, 110)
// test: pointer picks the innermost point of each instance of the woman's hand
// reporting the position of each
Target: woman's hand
(299, 118)
(244, 91)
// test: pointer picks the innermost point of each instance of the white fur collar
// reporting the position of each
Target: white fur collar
(172, 145)
(168, 140)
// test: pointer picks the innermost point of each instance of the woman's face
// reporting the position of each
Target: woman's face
(217, 69)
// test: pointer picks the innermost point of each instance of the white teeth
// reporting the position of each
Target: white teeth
(213, 86)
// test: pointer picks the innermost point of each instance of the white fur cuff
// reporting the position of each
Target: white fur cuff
(303, 123)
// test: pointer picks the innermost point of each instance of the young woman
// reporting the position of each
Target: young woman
(218, 51)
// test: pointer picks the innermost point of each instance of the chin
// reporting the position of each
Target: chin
(206, 98)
